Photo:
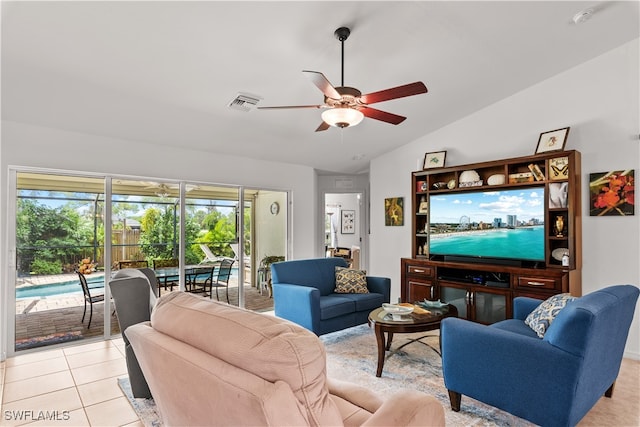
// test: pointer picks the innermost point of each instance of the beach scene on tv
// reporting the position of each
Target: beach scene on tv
(494, 224)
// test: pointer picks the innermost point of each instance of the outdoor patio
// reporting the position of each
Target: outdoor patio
(56, 319)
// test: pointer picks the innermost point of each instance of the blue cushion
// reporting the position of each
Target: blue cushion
(517, 326)
(364, 302)
(334, 306)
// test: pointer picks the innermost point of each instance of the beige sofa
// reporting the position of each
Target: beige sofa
(208, 363)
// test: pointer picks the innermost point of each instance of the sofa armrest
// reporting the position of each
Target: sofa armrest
(491, 364)
(380, 285)
(299, 304)
(522, 306)
(408, 408)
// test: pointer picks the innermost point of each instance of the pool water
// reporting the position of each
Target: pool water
(68, 287)
(73, 286)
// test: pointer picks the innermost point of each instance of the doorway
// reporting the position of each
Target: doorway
(345, 226)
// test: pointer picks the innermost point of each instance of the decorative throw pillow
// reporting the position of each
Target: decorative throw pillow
(540, 319)
(349, 281)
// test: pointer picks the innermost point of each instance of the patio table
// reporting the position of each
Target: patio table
(190, 273)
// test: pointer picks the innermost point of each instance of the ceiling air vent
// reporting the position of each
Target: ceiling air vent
(244, 102)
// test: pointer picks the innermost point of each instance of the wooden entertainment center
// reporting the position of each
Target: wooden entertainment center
(483, 289)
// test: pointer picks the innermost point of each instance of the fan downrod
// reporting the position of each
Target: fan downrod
(342, 33)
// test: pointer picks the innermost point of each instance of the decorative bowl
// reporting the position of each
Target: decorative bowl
(432, 304)
(397, 310)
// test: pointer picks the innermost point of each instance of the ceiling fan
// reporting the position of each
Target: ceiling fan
(346, 106)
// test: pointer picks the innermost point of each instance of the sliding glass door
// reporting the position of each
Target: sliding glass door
(63, 235)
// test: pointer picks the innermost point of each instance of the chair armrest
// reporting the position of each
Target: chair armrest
(380, 285)
(408, 408)
(522, 306)
(300, 304)
(492, 364)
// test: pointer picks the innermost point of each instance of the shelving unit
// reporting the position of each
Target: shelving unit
(431, 277)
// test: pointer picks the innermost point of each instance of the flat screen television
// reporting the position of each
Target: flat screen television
(502, 226)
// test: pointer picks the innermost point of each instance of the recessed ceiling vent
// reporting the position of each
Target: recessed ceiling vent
(244, 102)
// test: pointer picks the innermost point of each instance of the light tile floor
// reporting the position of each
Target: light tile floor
(71, 386)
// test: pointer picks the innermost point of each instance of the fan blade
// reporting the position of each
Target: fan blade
(282, 107)
(323, 84)
(372, 113)
(394, 93)
(323, 126)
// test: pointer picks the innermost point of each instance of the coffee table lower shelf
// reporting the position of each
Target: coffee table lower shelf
(383, 323)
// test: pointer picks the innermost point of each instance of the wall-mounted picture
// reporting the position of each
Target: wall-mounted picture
(434, 160)
(554, 140)
(394, 211)
(348, 222)
(612, 193)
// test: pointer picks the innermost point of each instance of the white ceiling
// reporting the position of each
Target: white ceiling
(164, 72)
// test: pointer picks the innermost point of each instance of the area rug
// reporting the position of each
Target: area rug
(59, 338)
(145, 408)
(412, 363)
(352, 356)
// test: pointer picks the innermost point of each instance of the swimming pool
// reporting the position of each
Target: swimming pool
(67, 287)
(73, 286)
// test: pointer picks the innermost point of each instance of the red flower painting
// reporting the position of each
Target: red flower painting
(612, 193)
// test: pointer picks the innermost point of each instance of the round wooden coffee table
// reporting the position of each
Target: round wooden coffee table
(383, 322)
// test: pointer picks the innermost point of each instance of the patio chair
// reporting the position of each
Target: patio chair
(132, 264)
(208, 255)
(88, 298)
(218, 278)
(166, 263)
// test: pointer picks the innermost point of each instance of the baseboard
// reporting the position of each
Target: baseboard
(631, 355)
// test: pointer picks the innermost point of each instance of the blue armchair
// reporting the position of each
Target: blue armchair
(303, 292)
(550, 381)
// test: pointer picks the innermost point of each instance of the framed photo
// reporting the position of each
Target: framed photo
(348, 221)
(554, 140)
(394, 211)
(612, 193)
(434, 160)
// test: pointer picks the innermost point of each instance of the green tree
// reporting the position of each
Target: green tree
(54, 236)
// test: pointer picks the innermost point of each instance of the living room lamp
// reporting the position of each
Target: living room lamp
(342, 117)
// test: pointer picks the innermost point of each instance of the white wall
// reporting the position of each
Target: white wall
(599, 101)
(270, 228)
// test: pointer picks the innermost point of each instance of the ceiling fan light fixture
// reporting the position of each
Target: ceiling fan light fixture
(342, 117)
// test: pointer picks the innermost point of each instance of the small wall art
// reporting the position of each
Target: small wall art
(434, 160)
(394, 211)
(348, 222)
(612, 193)
(553, 140)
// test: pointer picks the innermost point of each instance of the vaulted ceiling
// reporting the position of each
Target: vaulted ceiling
(165, 72)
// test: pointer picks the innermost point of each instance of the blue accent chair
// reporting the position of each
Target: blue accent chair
(550, 381)
(303, 293)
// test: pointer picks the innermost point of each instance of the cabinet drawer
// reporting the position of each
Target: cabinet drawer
(419, 270)
(539, 282)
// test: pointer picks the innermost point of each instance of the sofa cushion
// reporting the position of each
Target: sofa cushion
(365, 302)
(335, 305)
(541, 318)
(267, 346)
(349, 281)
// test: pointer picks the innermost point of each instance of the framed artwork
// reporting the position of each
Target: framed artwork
(348, 221)
(394, 211)
(434, 160)
(611, 193)
(554, 140)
